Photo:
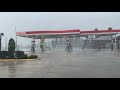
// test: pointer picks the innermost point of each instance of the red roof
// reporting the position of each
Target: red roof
(47, 32)
(77, 31)
(100, 31)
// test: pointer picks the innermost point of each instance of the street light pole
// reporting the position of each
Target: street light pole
(1, 34)
(16, 38)
(5, 43)
(0, 42)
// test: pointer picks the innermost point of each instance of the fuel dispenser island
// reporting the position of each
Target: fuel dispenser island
(33, 46)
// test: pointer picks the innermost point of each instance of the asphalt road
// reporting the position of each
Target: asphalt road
(58, 64)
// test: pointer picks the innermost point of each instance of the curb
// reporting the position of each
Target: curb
(11, 60)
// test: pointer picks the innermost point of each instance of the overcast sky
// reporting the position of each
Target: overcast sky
(30, 21)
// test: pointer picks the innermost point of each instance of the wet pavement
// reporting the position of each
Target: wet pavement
(58, 64)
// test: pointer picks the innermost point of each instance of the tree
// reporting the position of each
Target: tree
(96, 29)
(110, 28)
(11, 45)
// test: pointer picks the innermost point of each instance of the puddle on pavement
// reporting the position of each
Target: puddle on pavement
(12, 67)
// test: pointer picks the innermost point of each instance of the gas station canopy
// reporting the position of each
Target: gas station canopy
(49, 34)
(63, 33)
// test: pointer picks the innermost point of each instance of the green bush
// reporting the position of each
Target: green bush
(25, 57)
(33, 57)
